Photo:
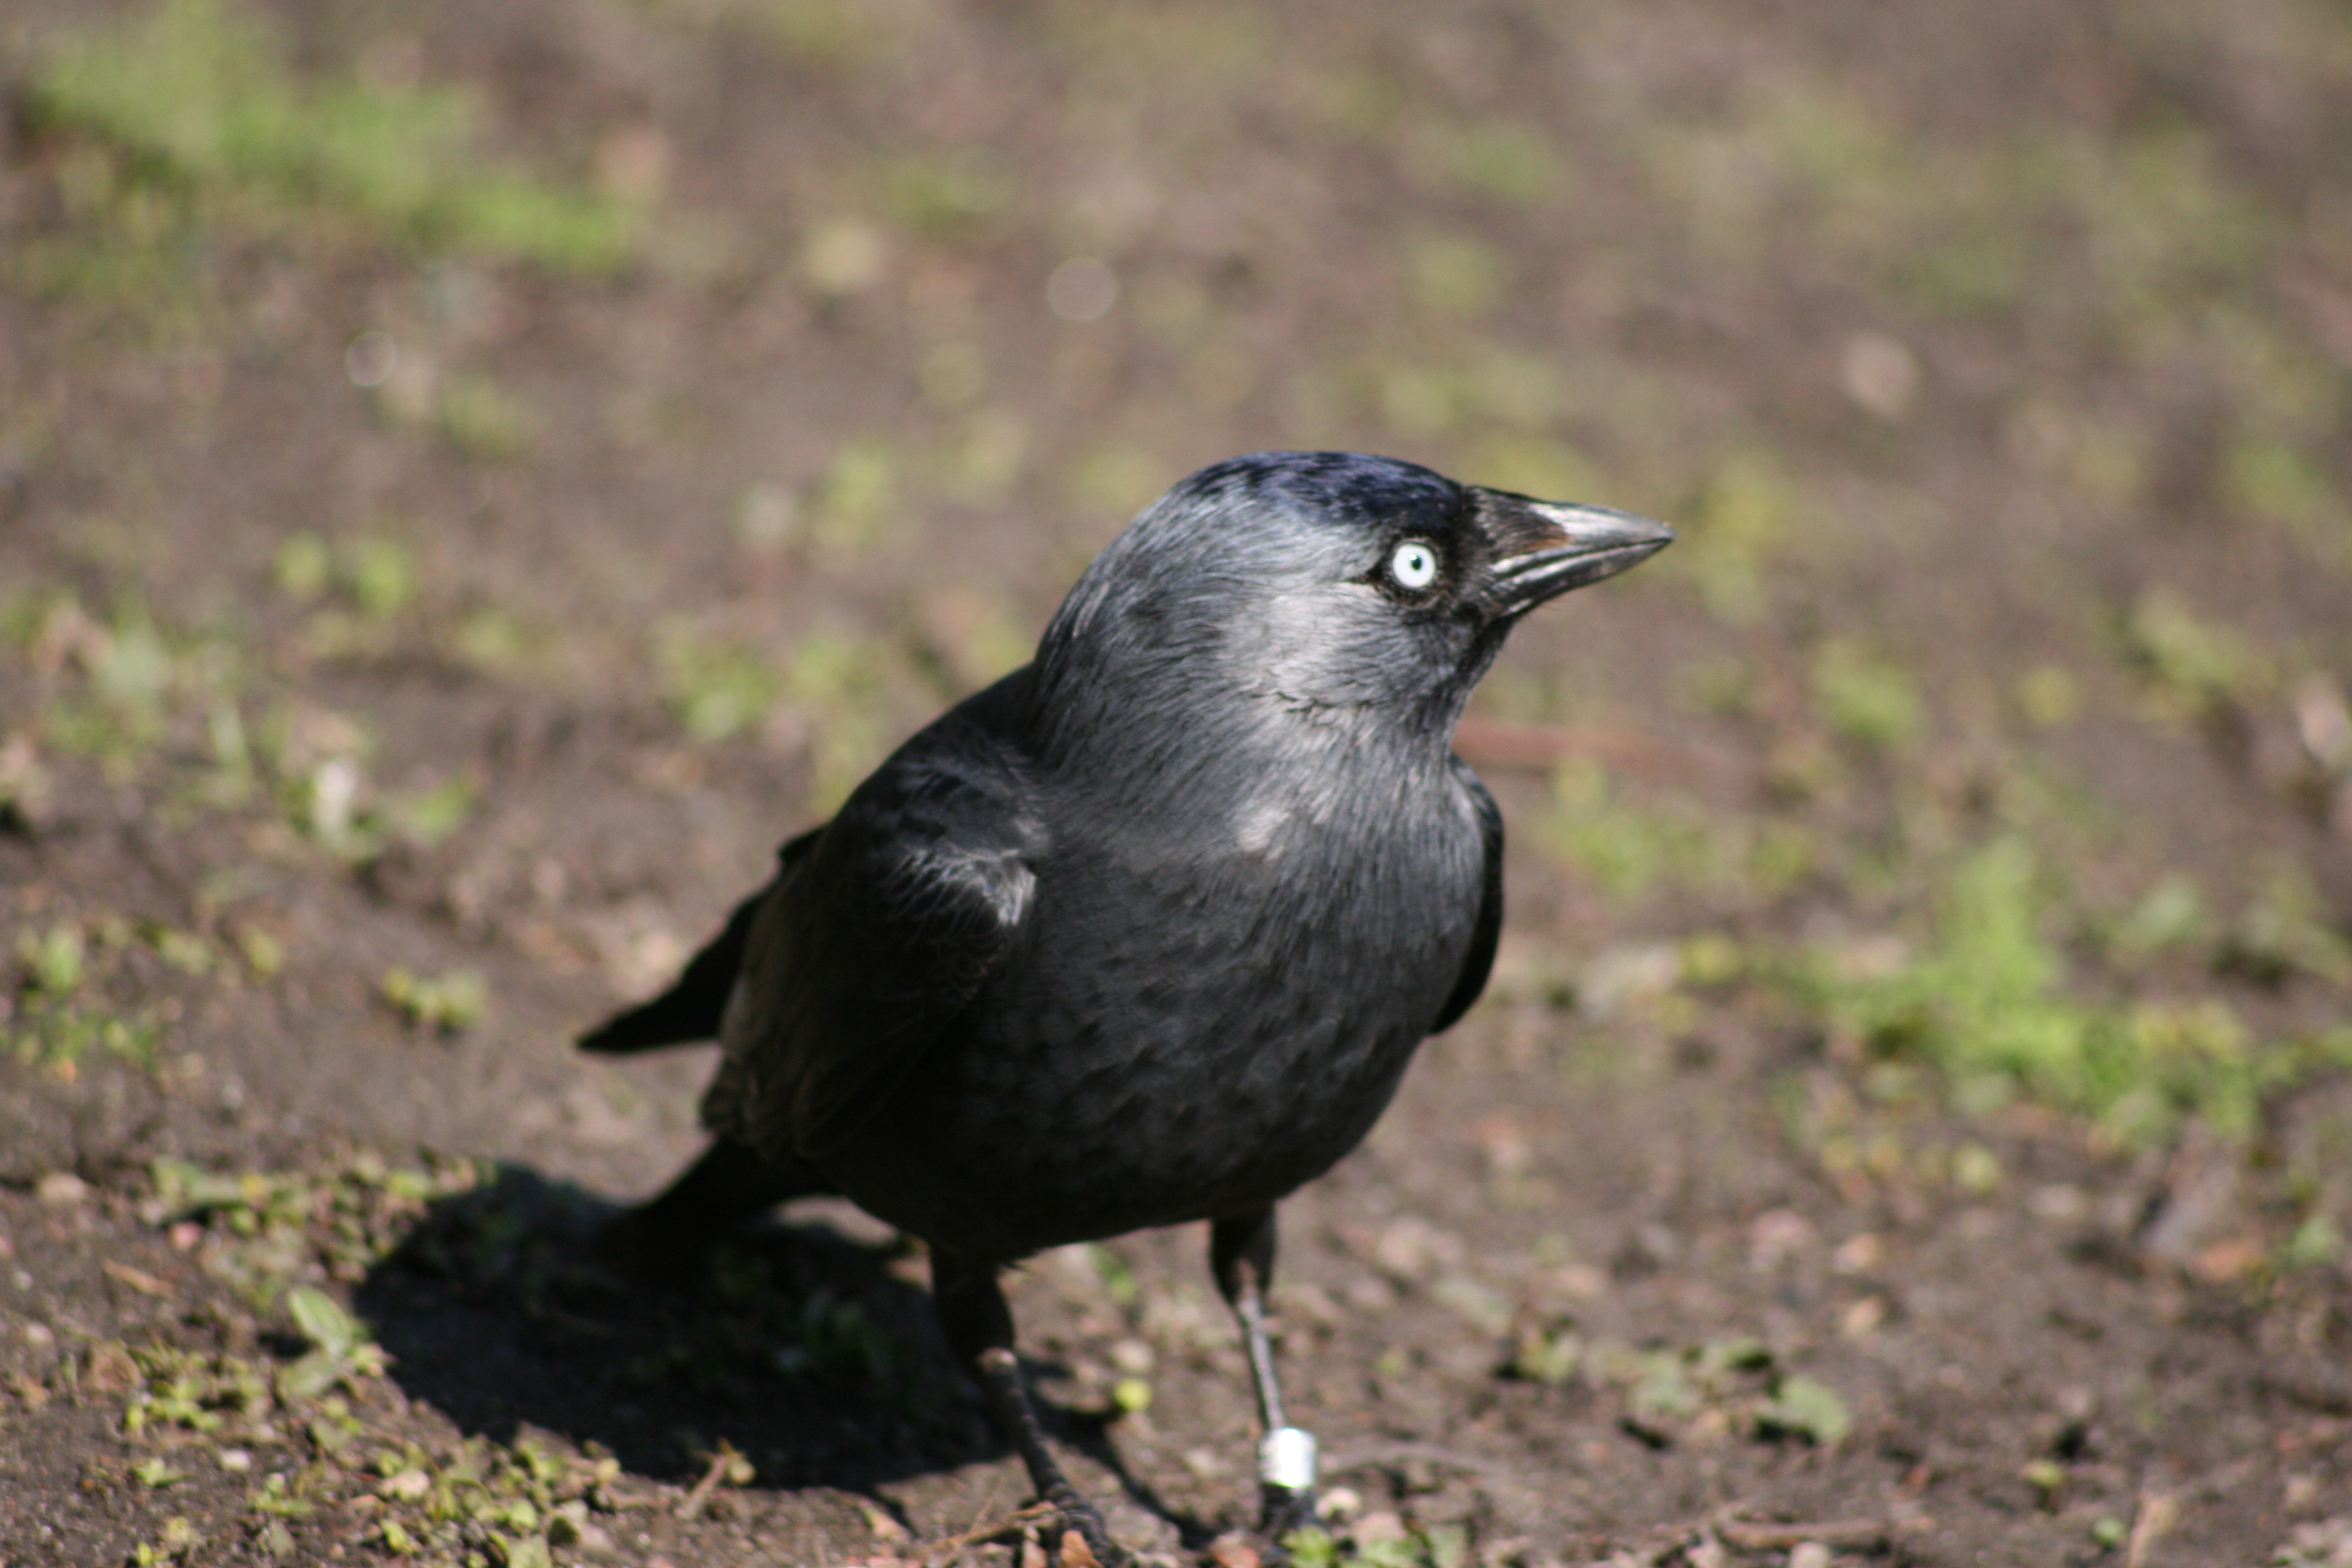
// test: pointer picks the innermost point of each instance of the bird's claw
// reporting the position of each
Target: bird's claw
(1283, 1510)
(1285, 1478)
(1085, 1542)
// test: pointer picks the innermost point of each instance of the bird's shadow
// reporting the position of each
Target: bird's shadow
(810, 1351)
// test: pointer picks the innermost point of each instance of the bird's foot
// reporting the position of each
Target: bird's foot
(1285, 1482)
(1283, 1511)
(1081, 1540)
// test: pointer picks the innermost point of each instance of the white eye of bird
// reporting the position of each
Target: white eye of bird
(1413, 564)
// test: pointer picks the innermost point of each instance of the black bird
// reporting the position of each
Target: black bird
(1147, 931)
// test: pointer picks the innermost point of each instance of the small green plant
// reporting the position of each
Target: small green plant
(950, 194)
(272, 1228)
(376, 571)
(850, 512)
(1631, 849)
(716, 690)
(837, 685)
(1404, 1545)
(1871, 703)
(1740, 516)
(442, 1005)
(482, 420)
(1985, 1005)
(1453, 275)
(2195, 668)
(2276, 481)
(382, 575)
(53, 1023)
(190, 1390)
(197, 98)
(341, 1351)
(177, 1541)
(2285, 931)
(118, 711)
(1549, 1354)
(1509, 164)
(157, 1473)
(1626, 849)
(429, 816)
(1804, 1408)
(53, 960)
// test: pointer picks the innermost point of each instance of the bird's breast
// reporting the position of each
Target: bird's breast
(1184, 1032)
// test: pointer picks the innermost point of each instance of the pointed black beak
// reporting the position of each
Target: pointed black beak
(1545, 547)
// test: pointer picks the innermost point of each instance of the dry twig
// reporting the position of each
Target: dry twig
(949, 1544)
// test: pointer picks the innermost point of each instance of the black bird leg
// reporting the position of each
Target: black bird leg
(979, 1326)
(1241, 1254)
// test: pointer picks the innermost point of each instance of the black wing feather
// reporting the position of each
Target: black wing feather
(1479, 962)
(859, 958)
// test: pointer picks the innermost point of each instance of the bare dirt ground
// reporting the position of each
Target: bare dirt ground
(474, 478)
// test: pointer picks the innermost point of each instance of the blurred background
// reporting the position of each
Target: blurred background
(473, 479)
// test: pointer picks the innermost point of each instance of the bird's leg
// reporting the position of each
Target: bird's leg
(1241, 1254)
(979, 1326)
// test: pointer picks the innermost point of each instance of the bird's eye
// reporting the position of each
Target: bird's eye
(1413, 564)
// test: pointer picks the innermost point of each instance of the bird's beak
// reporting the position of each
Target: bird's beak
(1545, 547)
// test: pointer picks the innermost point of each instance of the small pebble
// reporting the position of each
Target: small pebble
(1861, 1319)
(61, 1187)
(1233, 1552)
(1858, 1254)
(1778, 1234)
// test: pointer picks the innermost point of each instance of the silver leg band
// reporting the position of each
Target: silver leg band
(1285, 1458)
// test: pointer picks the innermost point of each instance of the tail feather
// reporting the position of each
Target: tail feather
(692, 1009)
(689, 1010)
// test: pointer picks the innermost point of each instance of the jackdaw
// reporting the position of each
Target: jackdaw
(1147, 931)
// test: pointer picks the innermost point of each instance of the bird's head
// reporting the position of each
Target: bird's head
(1331, 585)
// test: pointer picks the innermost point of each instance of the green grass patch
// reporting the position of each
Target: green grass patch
(2277, 480)
(278, 1228)
(129, 671)
(827, 694)
(1501, 161)
(52, 1022)
(851, 509)
(1631, 850)
(1984, 1003)
(438, 1004)
(1736, 521)
(377, 573)
(1413, 1546)
(2194, 669)
(196, 98)
(1872, 703)
(715, 689)
(1453, 275)
(950, 194)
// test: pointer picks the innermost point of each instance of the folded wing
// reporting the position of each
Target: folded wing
(865, 950)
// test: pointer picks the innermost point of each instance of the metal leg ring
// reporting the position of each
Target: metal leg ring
(1285, 1458)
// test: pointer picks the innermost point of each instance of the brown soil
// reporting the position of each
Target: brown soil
(1573, 1296)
